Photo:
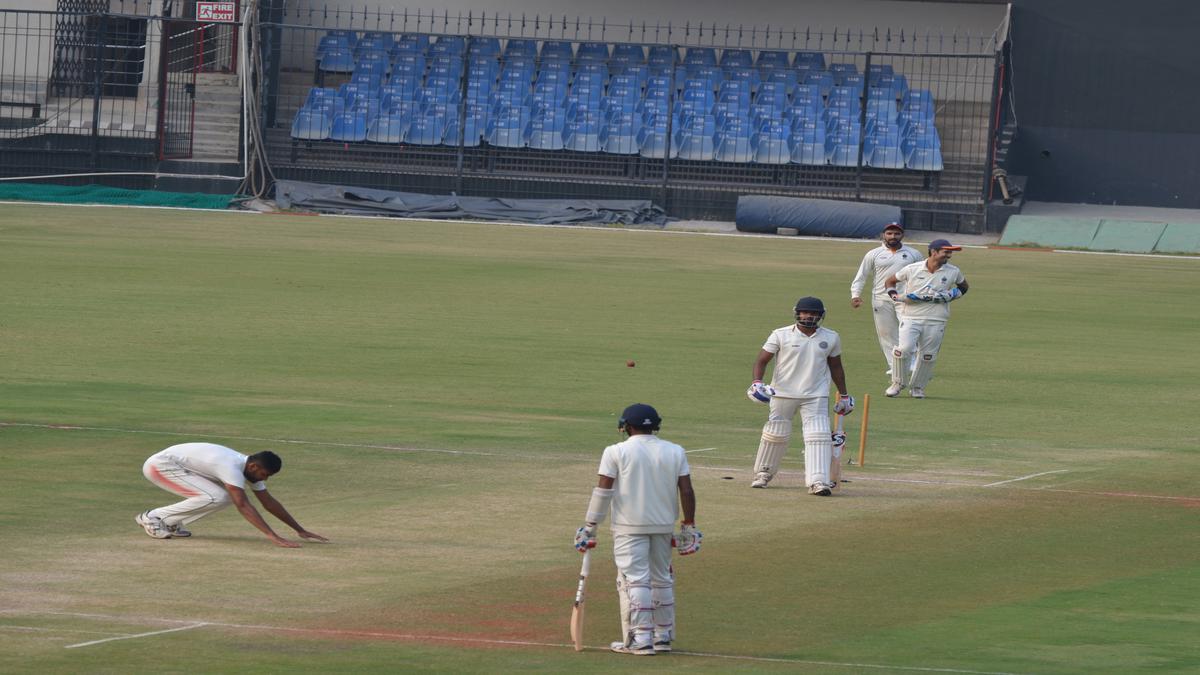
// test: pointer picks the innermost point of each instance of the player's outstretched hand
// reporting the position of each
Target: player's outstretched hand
(687, 541)
(305, 534)
(585, 537)
(844, 405)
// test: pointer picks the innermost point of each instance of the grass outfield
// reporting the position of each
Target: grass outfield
(440, 394)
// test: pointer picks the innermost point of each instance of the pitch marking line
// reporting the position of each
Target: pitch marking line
(137, 635)
(506, 455)
(698, 450)
(334, 632)
(1032, 475)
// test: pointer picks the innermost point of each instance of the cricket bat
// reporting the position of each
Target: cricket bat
(839, 442)
(577, 611)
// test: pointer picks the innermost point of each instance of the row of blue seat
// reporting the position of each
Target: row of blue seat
(559, 49)
(695, 138)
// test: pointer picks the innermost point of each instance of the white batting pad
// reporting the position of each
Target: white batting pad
(774, 443)
(923, 372)
(818, 449)
(898, 366)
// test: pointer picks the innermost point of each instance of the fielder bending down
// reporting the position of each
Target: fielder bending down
(931, 286)
(807, 357)
(211, 477)
(644, 480)
(880, 263)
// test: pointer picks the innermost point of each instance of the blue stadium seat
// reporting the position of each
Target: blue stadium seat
(545, 132)
(808, 143)
(785, 77)
(337, 60)
(733, 142)
(592, 51)
(736, 58)
(374, 42)
(695, 138)
(410, 43)
(582, 133)
(841, 147)
(918, 101)
(389, 127)
(619, 135)
(822, 79)
(771, 144)
(814, 60)
(521, 47)
(350, 126)
(701, 56)
(881, 147)
(329, 42)
(774, 59)
(746, 74)
(663, 54)
(426, 130)
(351, 37)
(853, 81)
(483, 46)
(635, 53)
(654, 142)
(557, 50)
(312, 124)
(472, 130)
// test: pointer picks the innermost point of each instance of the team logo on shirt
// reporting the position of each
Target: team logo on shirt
(904, 255)
(823, 344)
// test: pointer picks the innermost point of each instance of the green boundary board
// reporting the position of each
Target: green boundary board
(1130, 236)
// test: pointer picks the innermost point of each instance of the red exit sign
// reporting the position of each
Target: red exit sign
(216, 11)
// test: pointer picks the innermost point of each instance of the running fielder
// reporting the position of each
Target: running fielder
(880, 263)
(807, 356)
(931, 286)
(644, 480)
(211, 477)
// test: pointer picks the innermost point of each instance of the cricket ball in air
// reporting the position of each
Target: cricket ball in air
(630, 364)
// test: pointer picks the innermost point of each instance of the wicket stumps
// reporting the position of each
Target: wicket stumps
(862, 434)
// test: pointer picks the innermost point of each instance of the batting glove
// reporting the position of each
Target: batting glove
(839, 439)
(844, 405)
(687, 541)
(759, 392)
(585, 537)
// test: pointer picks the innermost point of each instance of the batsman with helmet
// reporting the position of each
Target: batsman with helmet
(644, 480)
(807, 356)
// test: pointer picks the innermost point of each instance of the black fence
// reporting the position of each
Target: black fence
(84, 90)
(508, 91)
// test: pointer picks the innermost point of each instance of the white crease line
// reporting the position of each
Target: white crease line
(480, 640)
(542, 458)
(1032, 475)
(138, 635)
(699, 450)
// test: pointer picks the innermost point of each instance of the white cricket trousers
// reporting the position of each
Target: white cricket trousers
(920, 339)
(645, 586)
(886, 313)
(202, 494)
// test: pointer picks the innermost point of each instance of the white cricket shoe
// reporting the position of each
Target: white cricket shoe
(662, 646)
(820, 490)
(178, 531)
(761, 480)
(917, 392)
(153, 526)
(893, 390)
(637, 649)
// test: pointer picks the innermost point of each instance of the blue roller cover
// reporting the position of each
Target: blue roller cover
(814, 217)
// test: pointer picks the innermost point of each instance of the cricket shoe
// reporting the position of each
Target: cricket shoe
(153, 526)
(637, 649)
(761, 480)
(662, 646)
(820, 490)
(178, 531)
(893, 390)
(917, 392)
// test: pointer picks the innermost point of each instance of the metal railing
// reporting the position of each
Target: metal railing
(92, 89)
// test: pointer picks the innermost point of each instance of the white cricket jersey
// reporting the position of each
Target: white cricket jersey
(918, 279)
(880, 263)
(802, 361)
(646, 471)
(215, 462)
